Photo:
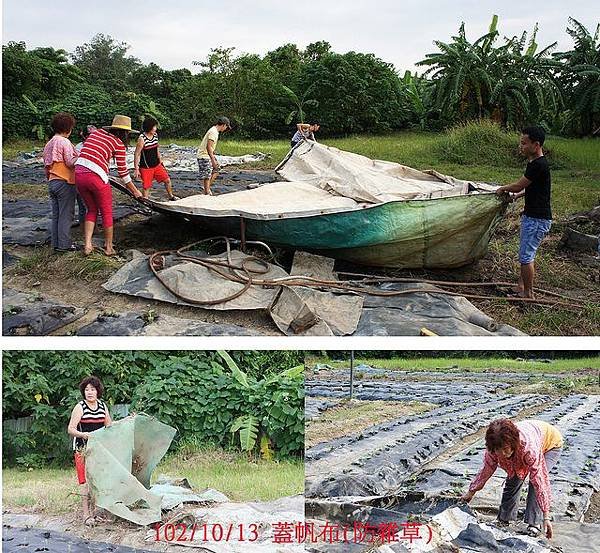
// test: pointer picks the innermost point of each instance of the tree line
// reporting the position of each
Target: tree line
(511, 80)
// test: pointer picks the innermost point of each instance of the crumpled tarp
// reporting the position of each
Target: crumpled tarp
(136, 324)
(26, 314)
(119, 462)
(321, 179)
(295, 310)
(35, 540)
(136, 279)
(299, 310)
(365, 180)
(179, 158)
(406, 315)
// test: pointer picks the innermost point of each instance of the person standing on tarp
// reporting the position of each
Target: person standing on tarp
(147, 163)
(526, 448)
(304, 131)
(536, 219)
(83, 134)
(208, 166)
(59, 163)
(88, 415)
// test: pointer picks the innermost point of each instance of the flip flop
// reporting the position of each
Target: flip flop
(90, 521)
(533, 531)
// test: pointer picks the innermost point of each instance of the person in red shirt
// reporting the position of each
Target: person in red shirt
(91, 177)
(526, 448)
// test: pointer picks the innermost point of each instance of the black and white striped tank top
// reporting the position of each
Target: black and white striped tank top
(92, 419)
(149, 154)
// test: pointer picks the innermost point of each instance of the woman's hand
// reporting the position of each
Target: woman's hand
(548, 529)
(136, 174)
(85, 435)
(466, 497)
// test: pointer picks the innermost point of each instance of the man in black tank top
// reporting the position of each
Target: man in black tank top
(535, 186)
(89, 415)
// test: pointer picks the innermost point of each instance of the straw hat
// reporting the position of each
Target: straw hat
(121, 122)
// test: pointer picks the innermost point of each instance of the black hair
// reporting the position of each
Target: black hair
(149, 123)
(121, 134)
(535, 134)
(95, 382)
(62, 122)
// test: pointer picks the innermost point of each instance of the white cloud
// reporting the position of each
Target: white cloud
(173, 34)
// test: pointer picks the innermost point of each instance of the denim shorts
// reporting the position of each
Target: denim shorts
(532, 233)
(205, 168)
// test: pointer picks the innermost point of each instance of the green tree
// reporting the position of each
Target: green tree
(105, 62)
(581, 79)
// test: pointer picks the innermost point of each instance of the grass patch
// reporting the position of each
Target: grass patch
(353, 416)
(43, 264)
(565, 386)
(12, 148)
(26, 191)
(472, 364)
(234, 474)
(53, 491)
(47, 491)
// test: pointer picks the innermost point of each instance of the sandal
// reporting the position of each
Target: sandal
(533, 531)
(90, 521)
(174, 198)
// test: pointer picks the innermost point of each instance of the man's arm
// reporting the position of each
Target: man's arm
(210, 148)
(518, 186)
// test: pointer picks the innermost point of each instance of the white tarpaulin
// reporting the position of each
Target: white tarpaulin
(321, 179)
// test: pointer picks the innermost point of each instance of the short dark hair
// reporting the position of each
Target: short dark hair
(62, 122)
(223, 121)
(500, 433)
(535, 134)
(149, 123)
(95, 382)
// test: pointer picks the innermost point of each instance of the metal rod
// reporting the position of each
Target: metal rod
(351, 374)
(243, 234)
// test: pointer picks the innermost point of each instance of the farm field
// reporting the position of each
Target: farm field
(415, 466)
(576, 188)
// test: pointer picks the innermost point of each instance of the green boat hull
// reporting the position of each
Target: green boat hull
(437, 233)
(432, 234)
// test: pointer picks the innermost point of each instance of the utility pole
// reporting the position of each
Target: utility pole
(351, 374)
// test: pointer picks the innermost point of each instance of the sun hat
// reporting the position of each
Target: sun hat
(121, 122)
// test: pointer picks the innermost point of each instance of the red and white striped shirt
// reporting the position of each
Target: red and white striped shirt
(97, 152)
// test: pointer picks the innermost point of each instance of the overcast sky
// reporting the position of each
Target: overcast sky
(174, 33)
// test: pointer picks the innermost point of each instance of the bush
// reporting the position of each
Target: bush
(479, 143)
(193, 391)
(485, 142)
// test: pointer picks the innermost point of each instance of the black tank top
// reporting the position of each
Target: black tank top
(91, 420)
(149, 153)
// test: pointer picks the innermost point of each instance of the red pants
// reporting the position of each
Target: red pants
(80, 467)
(96, 194)
(158, 173)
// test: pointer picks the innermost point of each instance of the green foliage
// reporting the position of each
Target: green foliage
(480, 143)
(511, 80)
(513, 83)
(580, 75)
(196, 392)
(486, 143)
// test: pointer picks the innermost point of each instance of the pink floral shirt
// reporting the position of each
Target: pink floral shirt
(529, 460)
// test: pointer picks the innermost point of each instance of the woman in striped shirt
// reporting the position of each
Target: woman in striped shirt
(91, 177)
(89, 415)
(526, 448)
